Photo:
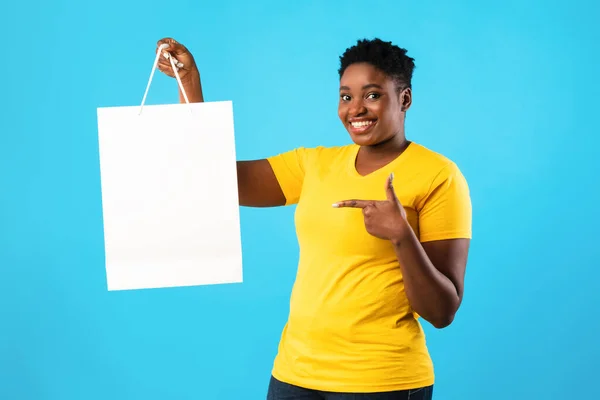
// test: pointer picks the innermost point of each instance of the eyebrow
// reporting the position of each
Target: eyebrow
(369, 86)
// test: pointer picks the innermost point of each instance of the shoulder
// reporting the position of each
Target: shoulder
(428, 157)
(435, 178)
(433, 164)
(327, 154)
(302, 160)
(329, 150)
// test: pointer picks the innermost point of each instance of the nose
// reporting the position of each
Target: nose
(357, 108)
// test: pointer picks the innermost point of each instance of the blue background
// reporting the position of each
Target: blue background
(509, 90)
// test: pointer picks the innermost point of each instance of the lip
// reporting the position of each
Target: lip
(363, 129)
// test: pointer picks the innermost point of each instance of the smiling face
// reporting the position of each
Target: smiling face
(370, 106)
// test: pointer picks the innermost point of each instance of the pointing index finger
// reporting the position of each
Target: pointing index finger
(352, 204)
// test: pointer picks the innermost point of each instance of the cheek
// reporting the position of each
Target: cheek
(342, 112)
(384, 113)
(375, 109)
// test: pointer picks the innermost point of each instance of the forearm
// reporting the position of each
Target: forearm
(431, 294)
(193, 88)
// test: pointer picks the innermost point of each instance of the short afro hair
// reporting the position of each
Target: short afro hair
(384, 56)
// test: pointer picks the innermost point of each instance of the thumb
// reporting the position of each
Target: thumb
(391, 194)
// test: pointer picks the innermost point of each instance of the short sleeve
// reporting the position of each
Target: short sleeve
(445, 212)
(289, 169)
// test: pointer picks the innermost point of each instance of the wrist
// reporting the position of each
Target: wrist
(403, 232)
(192, 87)
(192, 78)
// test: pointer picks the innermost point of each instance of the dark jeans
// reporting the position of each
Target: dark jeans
(284, 391)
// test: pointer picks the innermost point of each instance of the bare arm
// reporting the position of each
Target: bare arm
(434, 275)
(257, 184)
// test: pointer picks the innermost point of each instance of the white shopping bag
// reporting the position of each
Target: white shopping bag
(169, 195)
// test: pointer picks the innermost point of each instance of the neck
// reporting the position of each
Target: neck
(392, 146)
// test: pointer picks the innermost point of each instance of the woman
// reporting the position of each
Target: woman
(384, 226)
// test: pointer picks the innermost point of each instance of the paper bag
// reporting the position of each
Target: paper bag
(169, 195)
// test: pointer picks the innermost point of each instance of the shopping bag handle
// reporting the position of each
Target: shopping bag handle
(158, 54)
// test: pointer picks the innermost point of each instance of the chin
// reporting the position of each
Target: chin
(364, 140)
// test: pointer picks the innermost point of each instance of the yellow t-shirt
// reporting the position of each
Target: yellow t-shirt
(350, 326)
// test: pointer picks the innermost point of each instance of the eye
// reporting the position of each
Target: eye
(344, 97)
(373, 96)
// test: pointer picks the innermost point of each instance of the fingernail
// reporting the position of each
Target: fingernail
(180, 65)
(335, 205)
(392, 176)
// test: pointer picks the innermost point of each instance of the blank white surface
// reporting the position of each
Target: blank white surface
(169, 195)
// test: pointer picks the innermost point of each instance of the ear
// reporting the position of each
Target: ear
(405, 99)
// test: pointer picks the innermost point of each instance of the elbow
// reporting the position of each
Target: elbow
(442, 322)
(444, 316)
(438, 320)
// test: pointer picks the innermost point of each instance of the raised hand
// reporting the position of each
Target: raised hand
(383, 219)
(183, 59)
(186, 68)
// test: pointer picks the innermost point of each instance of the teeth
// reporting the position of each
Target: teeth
(361, 124)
